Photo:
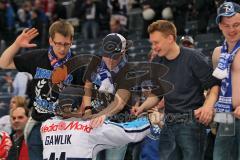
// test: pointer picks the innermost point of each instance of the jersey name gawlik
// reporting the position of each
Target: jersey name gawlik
(75, 139)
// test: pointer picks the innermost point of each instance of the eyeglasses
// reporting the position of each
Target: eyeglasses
(60, 44)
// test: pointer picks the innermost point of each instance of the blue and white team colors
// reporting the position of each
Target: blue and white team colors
(71, 139)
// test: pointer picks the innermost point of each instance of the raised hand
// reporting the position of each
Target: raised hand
(23, 40)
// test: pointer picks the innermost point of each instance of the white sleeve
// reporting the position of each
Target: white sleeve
(119, 134)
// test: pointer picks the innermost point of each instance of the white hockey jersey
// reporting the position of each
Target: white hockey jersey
(71, 139)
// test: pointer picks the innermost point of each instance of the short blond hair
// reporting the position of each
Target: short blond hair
(165, 27)
(20, 100)
(62, 27)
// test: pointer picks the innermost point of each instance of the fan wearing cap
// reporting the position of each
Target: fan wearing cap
(107, 75)
(227, 68)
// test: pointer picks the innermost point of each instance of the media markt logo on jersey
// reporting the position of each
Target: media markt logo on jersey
(63, 126)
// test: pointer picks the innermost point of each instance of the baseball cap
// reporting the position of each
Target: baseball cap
(114, 43)
(227, 9)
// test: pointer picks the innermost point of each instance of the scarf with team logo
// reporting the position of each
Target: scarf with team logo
(104, 76)
(55, 62)
(223, 71)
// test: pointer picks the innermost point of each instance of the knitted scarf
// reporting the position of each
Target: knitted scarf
(223, 71)
(55, 62)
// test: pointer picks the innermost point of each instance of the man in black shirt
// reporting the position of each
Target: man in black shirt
(186, 109)
(107, 74)
(41, 63)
